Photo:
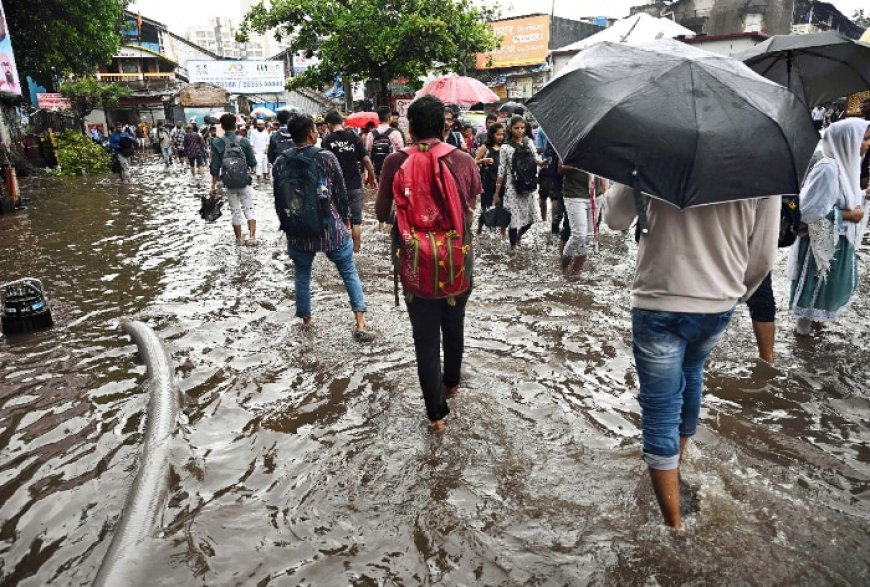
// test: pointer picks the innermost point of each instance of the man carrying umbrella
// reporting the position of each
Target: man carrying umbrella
(703, 189)
(693, 266)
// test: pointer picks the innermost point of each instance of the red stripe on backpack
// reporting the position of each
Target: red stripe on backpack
(431, 251)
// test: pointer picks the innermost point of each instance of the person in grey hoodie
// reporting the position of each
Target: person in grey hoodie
(693, 267)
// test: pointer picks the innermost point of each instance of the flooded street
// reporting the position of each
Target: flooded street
(304, 458)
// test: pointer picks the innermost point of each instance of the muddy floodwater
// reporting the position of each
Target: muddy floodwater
(304, 458)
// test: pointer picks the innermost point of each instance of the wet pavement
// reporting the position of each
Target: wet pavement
(303, 458)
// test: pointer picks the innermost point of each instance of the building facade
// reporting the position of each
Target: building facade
(769, 17)
(219, 37)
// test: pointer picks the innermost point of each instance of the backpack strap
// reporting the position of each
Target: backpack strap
(375, 135)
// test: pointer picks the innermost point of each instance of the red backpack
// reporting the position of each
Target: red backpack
(430, 251)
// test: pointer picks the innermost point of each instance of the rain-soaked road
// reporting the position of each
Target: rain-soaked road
(304, 459)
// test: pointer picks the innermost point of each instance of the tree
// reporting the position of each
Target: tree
(379, 40)
(861, 19)
(87, 94)
(55, 38)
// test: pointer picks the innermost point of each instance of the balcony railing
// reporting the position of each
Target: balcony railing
(136, 77)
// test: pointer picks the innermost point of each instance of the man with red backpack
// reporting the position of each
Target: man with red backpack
(383, 140)
(434, 187)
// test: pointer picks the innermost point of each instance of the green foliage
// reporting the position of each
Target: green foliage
(376, 39)
(88, 93)
(861, 18)
(79, 155)
(55, 38)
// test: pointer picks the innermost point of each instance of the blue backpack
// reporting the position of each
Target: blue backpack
(301, 201)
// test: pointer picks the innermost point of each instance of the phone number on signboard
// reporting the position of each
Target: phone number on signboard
(251, 84)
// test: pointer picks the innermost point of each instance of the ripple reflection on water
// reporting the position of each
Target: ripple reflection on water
(304, 458)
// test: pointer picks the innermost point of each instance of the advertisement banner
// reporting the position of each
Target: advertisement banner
(240, 77)
(301, 63)
(9, 83)
(524, 41)
(52, 101)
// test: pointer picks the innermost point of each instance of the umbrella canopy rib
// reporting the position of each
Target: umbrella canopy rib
(764, 113)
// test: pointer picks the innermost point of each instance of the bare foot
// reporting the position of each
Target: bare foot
(451, 391)
(437, 426)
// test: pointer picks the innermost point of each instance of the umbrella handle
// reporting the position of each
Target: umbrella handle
(642, 228)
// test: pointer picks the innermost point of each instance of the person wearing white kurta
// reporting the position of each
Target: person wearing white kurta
(259, 138)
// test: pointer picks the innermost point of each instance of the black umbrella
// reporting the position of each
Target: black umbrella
(680, 124)
(817, 67)
(512, 108)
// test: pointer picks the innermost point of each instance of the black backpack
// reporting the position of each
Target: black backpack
(789, 221)
(127, 146)
(300, 193)
(234, 165)
(381, 147)
(279, 142)
(525, 168)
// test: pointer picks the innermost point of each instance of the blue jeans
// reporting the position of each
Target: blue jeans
(670, 349)
(343, 259)
(167, 155)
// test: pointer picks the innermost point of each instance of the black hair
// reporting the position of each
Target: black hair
(333, 117)
(515, 119)
(490, 133)
(284, 117)
(194, 127)
(300, 127)
(228, 122)
(395, 113)
(491, 116)
(384, 113)
(426, 118)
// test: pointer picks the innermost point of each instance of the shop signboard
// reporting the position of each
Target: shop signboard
(53, 101)
(524, 41)
(301, 63)
(240, 77)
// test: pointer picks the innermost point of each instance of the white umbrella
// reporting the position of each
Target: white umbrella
(262, 112)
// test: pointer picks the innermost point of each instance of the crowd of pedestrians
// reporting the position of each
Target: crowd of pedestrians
(693, 266)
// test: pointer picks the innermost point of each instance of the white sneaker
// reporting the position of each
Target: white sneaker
(239, 242)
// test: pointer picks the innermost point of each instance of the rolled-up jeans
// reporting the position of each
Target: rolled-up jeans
(124, 162)
(670, 349)
(579, 213)
(343, 259)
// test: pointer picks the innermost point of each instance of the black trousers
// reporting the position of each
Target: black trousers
(429, 320)
(514, 234)
(762, 306)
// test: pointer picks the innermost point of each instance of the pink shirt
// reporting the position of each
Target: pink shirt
(395, 138)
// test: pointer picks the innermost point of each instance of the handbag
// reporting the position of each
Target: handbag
(497, 217)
